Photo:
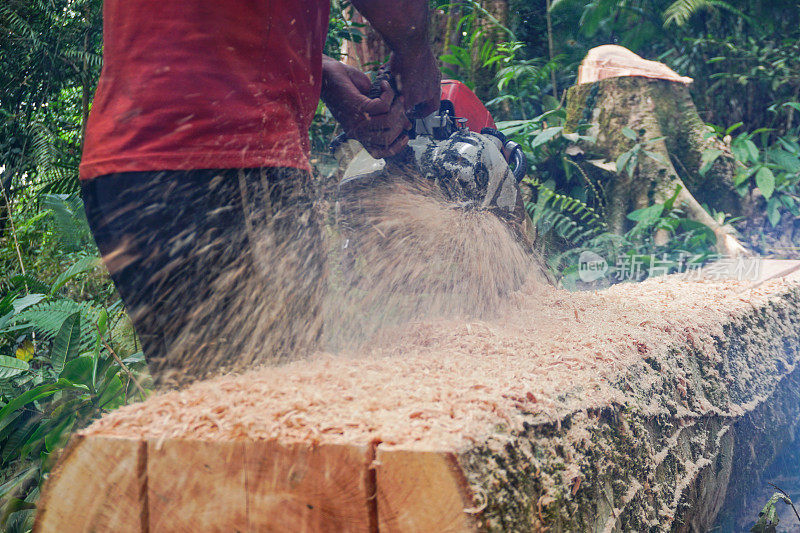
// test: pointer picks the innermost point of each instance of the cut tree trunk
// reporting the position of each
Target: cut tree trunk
(656, 108)
(627, 409)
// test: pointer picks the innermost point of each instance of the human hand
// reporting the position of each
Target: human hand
(418, 79)
(379, 124)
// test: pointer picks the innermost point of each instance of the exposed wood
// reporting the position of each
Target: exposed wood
(196, 486)
(695, 386)
(98, 486)
(408, 484)
(614, 61)
(297, 487)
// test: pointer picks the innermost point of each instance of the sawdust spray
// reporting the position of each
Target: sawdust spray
(397, 253)
(404, 253)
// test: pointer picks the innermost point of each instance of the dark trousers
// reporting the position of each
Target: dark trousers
(220, 270)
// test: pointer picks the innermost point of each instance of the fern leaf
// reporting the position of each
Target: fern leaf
(70, 220)
(680, 11)
(33, 284)
(47, 318)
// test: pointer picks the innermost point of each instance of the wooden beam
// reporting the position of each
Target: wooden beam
(421, 491)
(98, 485)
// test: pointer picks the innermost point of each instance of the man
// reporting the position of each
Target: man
(195, 170)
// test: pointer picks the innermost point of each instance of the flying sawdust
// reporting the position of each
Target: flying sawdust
(407, 254)
(399, 253)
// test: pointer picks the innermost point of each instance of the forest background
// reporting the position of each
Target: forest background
(67, 350)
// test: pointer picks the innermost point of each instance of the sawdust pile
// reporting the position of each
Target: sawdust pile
(405, 253)
(443, 384)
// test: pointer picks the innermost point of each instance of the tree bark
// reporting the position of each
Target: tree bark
(372, 51)
(368, 54)
(656, 108)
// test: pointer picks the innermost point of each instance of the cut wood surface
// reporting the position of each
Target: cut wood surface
(613, 61)
(614, 410)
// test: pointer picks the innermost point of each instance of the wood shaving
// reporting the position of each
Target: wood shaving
(446, 383)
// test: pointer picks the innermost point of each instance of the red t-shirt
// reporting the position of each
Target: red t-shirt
(191, 84)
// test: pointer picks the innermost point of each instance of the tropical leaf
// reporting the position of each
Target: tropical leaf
(78, 370)
(622, 161)
(70, 220)
(28, 283)
(629, 133)
(708, 158)
(11, 366)
(20, 304)
(36, 393)
(82, 265)
(67, 342)
(545, 136)
(680, 11)
(765, 180)
(46, 318)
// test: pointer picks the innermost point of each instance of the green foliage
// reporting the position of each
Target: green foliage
(477, 50)
(628, 162)
(522, 84)
(743, 78)
(64, 358)
(69, 220)
(63, 366)
(768, 517)
(564, 216)
(685, 245)
(50, 52)
(680, 11)
(341, 27)
(766, 163)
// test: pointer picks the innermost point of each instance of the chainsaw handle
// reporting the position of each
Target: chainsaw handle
(518, 159)
(516, 156)
(375, 89)
(374, 93)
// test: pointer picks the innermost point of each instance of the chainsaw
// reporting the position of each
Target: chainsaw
(456, 158)
(458, 148)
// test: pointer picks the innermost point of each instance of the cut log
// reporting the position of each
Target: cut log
(626, 409)
(409, 481)
(104, 487)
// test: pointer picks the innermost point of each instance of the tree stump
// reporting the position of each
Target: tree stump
(615, 410)
(654, 105)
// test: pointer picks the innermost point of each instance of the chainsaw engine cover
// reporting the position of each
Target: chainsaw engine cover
(467, 105)
(464, 172)
(468, 168)
(471, 171)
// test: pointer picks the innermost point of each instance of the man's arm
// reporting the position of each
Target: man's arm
(380, 124)
(403, 24)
